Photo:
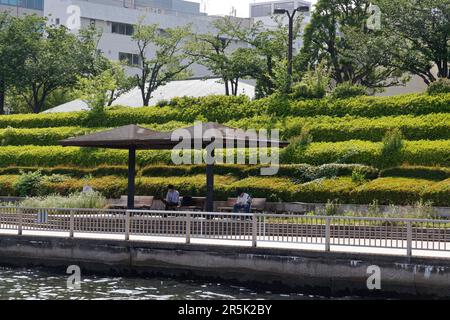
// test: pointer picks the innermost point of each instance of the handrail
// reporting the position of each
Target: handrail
(327, 231)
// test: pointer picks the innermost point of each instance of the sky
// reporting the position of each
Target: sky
(225, 6)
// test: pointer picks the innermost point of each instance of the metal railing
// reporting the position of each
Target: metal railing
(323, 231)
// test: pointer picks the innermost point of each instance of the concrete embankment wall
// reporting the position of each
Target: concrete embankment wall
(316, 272)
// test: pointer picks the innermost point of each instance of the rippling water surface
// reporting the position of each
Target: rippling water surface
(45, 284)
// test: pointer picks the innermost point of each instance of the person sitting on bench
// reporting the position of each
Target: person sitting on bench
(172, 200)
(243, 203)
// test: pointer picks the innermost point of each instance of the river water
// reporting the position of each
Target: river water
(43, 284)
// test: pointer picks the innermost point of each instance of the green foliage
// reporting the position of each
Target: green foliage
(358, 176)
(392, 147)
(168, 61)
(336, 36)
(324, 129)
(438, 193)
(421, 33)
(354, 151)
(224, 109)
(391, 191)
(82, 200)
(348, 90)
(314, 84)
(413, 104)
(418, 172)
(442, 85)
(95, 90)
(28, 184)
(383, 191)
(332, 207)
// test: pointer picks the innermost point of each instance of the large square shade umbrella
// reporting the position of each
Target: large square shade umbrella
(133, 137)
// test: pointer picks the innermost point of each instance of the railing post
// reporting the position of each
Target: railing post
(254, 230)
(20, 216)
(327, 234)
(71, 224)
(409, 238)
(127, 225)
(188, 228)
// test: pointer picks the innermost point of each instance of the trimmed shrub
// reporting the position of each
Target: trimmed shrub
(333, 129)
(421, 152)
(414, 104)
(274, 189)
(348, 152)
(438, 193)
(28, 184)
(348, 90)
(442, 85)
(75, 172)
(223, 109)
(323, 128)
(7, 185)
(323, 190)
(400, 191)
(418, 172)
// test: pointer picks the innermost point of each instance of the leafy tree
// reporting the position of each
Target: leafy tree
(423, 30)
(123, 83)
(168, 62)
(96, 90)
(17, 35)
(215, 51)
(4, 58)
(336, 35)
(269, 49)
(54, 60)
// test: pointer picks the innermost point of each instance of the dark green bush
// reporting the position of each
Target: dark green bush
(442, 85)
(348, 90)
(418, 172)
(28, 184)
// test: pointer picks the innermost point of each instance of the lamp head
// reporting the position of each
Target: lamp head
(280, 11)
(303, 9)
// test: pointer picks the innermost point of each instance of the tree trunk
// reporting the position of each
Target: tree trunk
(2, 96)
(227, 87)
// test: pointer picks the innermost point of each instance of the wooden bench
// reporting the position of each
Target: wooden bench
(198, 204)
(140, 202)
(258, 205)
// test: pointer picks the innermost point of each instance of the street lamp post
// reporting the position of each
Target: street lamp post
(291, 34)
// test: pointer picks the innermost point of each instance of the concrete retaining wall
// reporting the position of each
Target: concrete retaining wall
(315, 272)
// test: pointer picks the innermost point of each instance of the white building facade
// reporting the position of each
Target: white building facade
(116, 19)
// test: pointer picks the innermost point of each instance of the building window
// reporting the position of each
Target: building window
(285, 5)
(261, 10)
(122, 28)
(130, 58)
(29, 4)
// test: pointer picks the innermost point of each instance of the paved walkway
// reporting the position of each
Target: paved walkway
(261, 243)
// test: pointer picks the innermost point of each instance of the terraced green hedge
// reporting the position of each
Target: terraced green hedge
(323, 129)
(223, 109)
(418, 172)
(400, 191)
(421, 152)
(414, 104)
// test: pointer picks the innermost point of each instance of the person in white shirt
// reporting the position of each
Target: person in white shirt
(172, 198)
(243, 203)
